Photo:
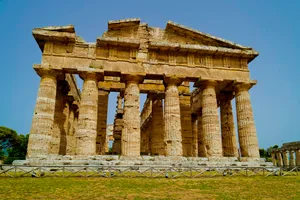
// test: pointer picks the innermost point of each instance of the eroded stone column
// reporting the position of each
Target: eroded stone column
(292, 158)
(71, 140)
(186, 124)
(87, 120)
(298, 157)
(246, 127)
(195, 136)
(118, 126)
(229, 142)
(131, 134)
(173, 139)
(158, 146)
(65, 128)
(102, 121)
(42, 123)
(201, 149)
(210, 120)
(285, 158)
(279, 159)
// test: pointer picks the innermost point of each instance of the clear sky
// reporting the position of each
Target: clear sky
(270, 27)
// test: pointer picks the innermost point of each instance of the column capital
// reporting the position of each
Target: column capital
(133, 78)
(243, 86)
(172, 80)
(48, 72)
(91, 75)
(225, 95)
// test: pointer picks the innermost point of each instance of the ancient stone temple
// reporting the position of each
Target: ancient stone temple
(287, 156)
(132, 58)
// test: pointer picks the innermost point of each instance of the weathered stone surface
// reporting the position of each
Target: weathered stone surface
(42, 123)
(210, 120)
(195, 136)
(186, 125)
(274, 161)
(279, 159)
(292, 158)
(131, 119)
(158, 146)
(102, 121)
(246, 127)
(229, 142)
(285, 158)
(173, 139)
(87, 120)
(298, 157)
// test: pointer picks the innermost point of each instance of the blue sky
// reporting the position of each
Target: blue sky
(270, 27)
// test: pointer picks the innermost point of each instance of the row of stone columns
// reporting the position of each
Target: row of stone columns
(286, 158)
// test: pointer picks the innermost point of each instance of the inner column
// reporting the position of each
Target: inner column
(173, 139)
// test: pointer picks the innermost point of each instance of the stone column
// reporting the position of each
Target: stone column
(131, 134)
(210, 120)
(158, 146)
(173, 139)
(229, 143)
(285, 158)
(195, 136)
(118, 126)
(102, 121)
(201, 149)
(186, 124)
(279, 159)
(65, 128)
(87, 120)
(42, 123)
(292, 158)
(298, 157)
(273, 158)
(71, 140)
(246, 127)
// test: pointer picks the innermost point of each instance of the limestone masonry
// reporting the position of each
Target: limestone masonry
(133, 58)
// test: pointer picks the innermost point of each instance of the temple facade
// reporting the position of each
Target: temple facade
(133, 58)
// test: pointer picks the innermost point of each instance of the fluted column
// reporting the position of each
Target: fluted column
(229, 142)
(87, 120)
(210, 120)
(102, 121)
(42, 123)
(158, 146)
(298, 157)
(285, 158)
(279, 159)
(273, 158)
(186, 124)
(65, 128)
(292, 158)
(195, 136)
(246, 127)
(71, 140)
(173, 139)
(131, 134)
(201, 149)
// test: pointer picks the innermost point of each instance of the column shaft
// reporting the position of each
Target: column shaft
(71, 140)
(102, 122)
(201, 149)
(131, 134)
(279, 159)
(195, 136)
(210, 121)
(246, 127)
(292, 158)
(285, 158)
(186, 125)
(273, 159)
(229, 142)
(87, 120)
(173, 139)
(42, 123)
(65, 128)
(298, 157)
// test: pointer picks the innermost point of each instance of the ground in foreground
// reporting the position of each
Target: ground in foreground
(146, 188)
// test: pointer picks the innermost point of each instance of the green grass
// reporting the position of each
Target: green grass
(146, 188)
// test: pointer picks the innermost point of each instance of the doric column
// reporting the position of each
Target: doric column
(131, 133)
(229, 142)
(246, 127)
(65, 128)
(87, 120)
(298, 157)
(279, 159)
(285, 158)
(71, 140)
(292, 158)
(173, 139)
(158, 146)
(195, 136)
(273, 158)
(186, 124)
(42, 122)
(201, 149)
(102, 121)
(210, 120)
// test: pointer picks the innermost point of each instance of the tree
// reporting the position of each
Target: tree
(12, 146)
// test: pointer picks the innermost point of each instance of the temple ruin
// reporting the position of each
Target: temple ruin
(133, 58)
(287, 156)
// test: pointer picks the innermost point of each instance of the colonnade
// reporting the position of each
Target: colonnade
(286, 157)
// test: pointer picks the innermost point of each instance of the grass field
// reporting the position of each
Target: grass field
(142, 188)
